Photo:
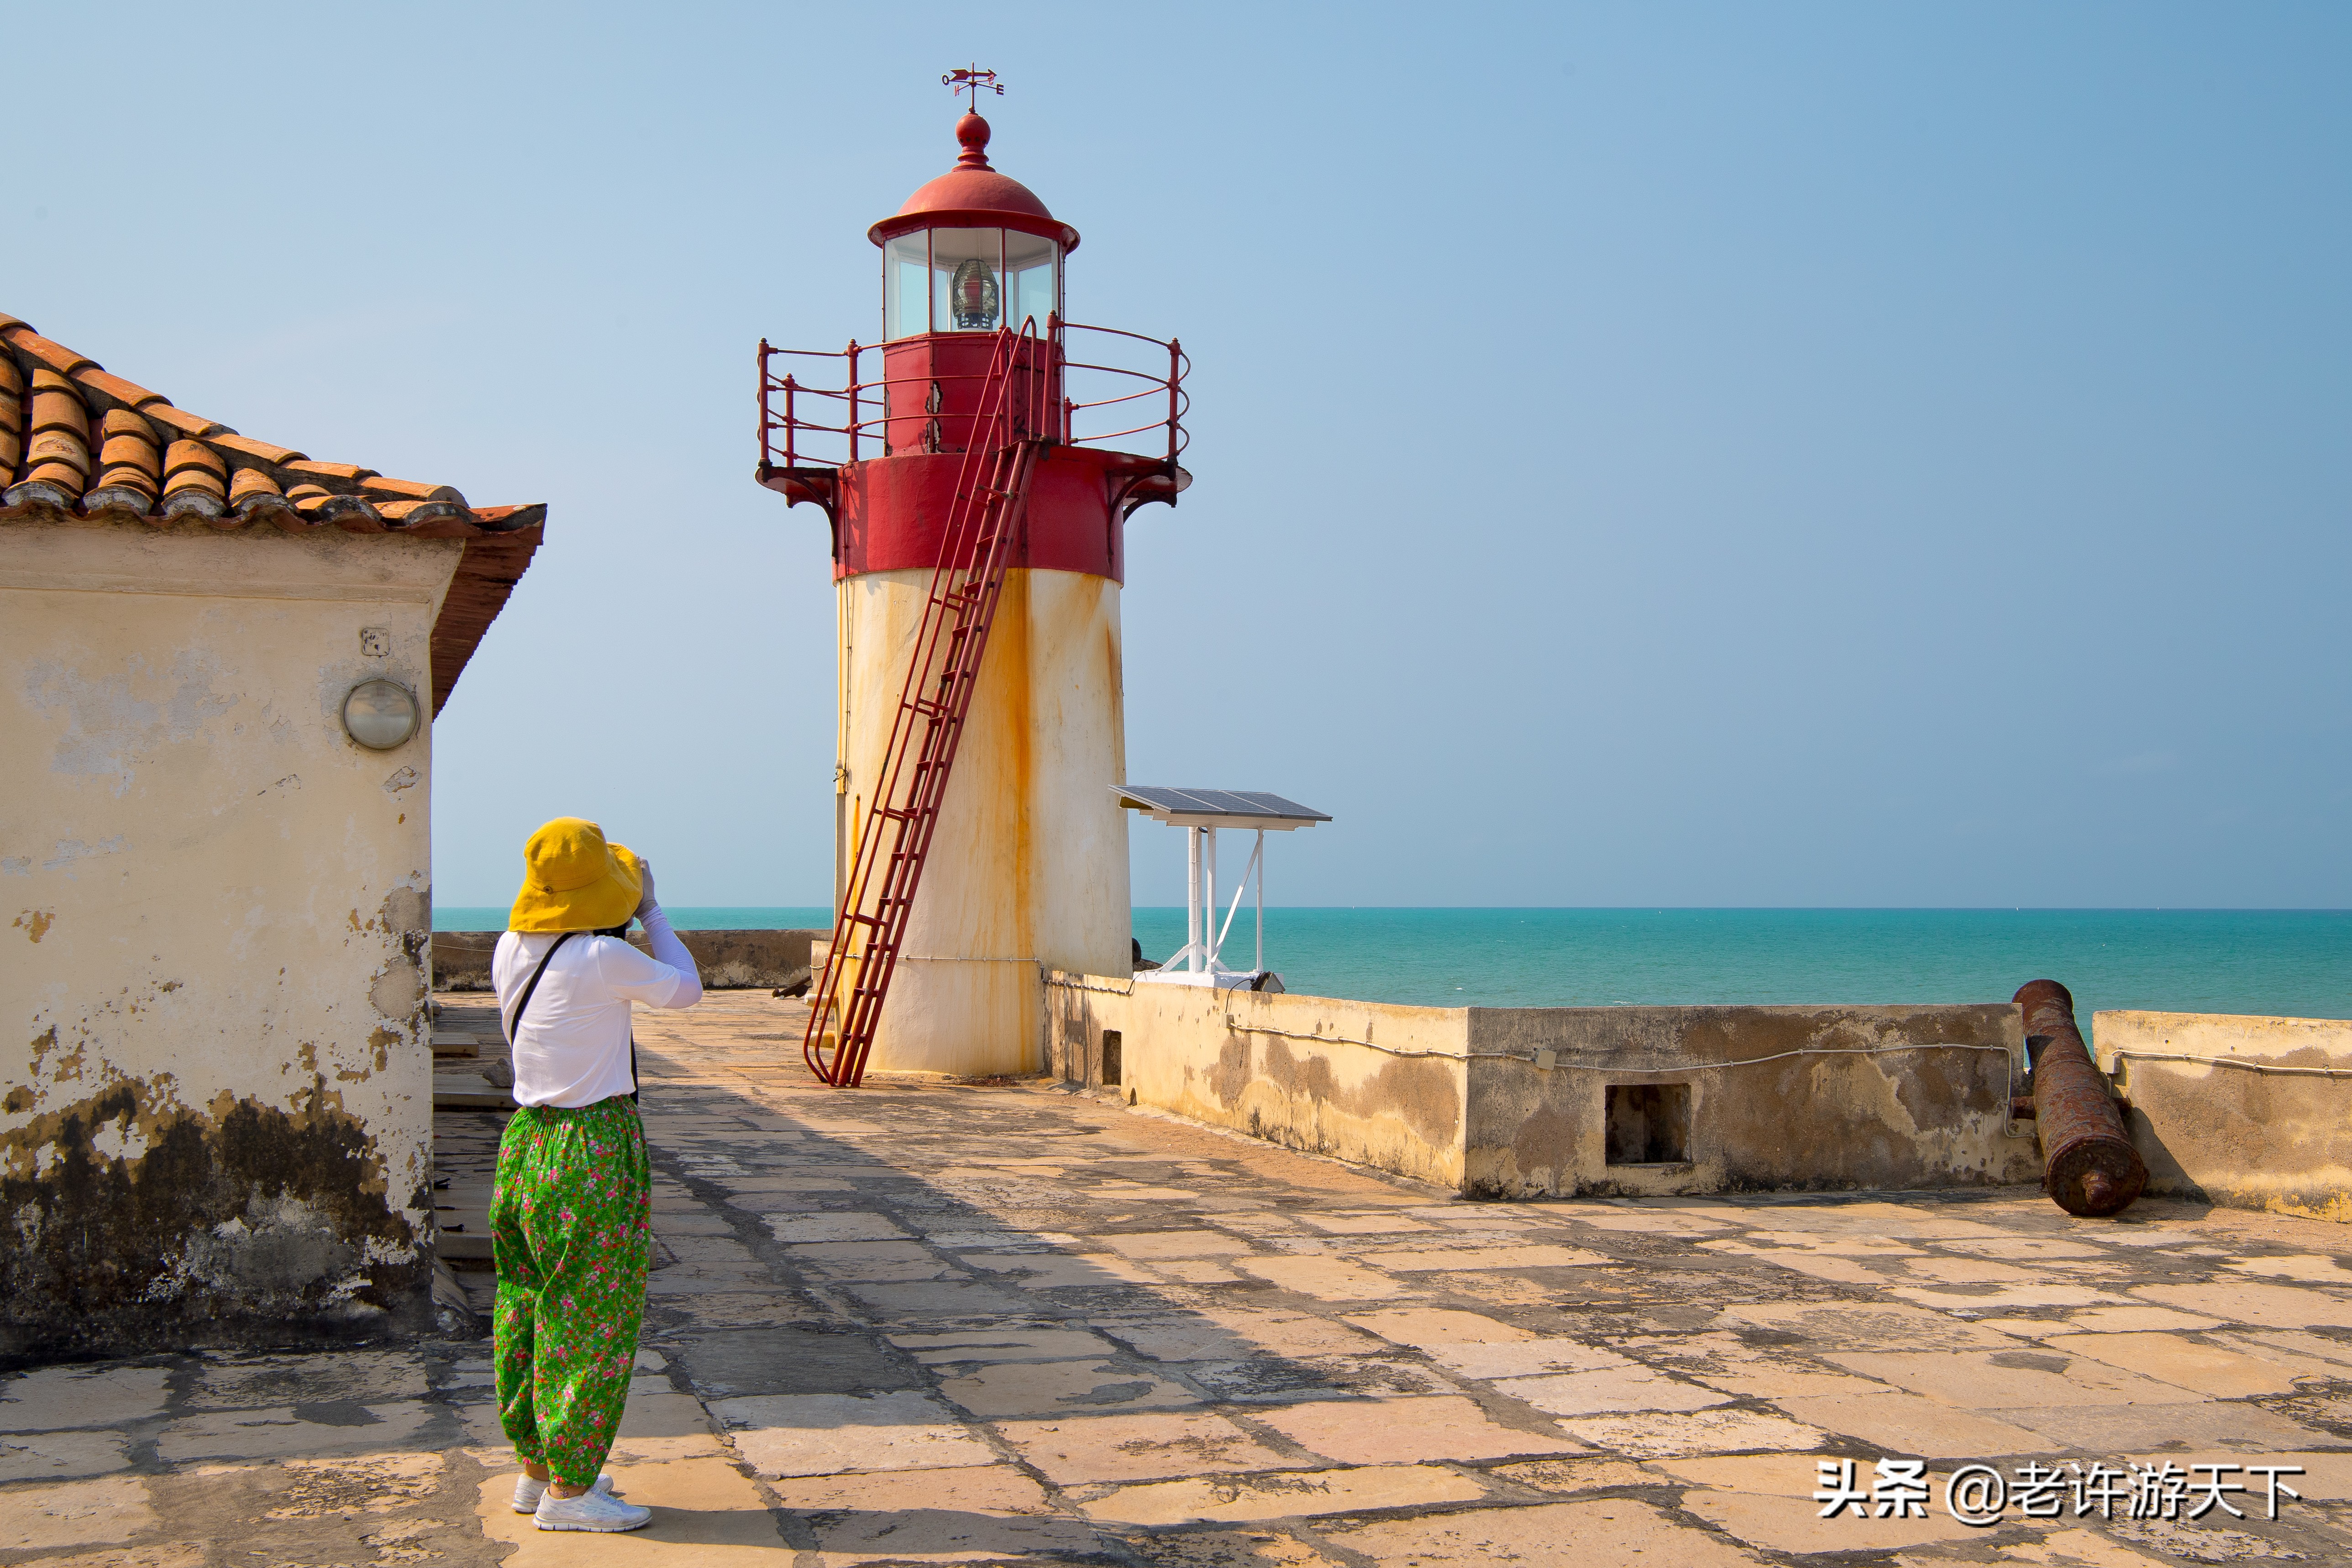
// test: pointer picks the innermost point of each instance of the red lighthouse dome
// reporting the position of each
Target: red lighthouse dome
(975, 195)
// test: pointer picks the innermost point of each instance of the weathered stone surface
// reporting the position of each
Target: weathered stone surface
(822, 1434)
(1123, 1415)
(57, 1398)
(1665, 1435)
(1061, 1389)
(1767, 1501)
(1409, 1430)
(59, 1456)
(1618, 1531)
(1282, 1494)
(2221, 1129)
(1140, 1446)
(75, 1513)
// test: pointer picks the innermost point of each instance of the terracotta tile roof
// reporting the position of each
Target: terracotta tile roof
(77, 442)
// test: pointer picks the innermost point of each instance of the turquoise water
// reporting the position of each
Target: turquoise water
(2292, 962)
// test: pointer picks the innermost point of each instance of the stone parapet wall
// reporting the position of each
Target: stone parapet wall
(1518, 1103)
(1363, 1081)
(730, 960)
(2260, 1117)
(1796, 1098)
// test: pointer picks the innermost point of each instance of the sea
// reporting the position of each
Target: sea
(2294, 963)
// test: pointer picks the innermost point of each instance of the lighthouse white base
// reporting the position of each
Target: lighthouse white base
(1028, 866)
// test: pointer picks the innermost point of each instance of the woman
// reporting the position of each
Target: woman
(571, 1219)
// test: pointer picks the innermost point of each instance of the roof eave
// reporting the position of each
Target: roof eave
(975, 218)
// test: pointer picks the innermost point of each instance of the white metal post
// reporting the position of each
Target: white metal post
(1193, 899)
(1260, 965)
(1209, 895)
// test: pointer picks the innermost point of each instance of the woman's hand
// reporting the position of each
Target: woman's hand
(645, 897)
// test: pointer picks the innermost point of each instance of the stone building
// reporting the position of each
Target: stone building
(219, 663)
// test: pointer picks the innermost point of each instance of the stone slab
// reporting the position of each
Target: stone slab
(2185, 1363)
(1615, 1531)
(1665, 1434)
(1282, 1494)
(1061, 1389)
(1617, 1389)
(76, 1513)
(1902, 1423)
(1128, 1448)
(1325, 1279)
(1408, 1431)
(824, 1434)
(60, 1455)
(53, 1398)
(285, 1431)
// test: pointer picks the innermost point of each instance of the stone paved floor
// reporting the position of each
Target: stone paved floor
(1015, 1323)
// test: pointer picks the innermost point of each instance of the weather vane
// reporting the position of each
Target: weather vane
(974, 81)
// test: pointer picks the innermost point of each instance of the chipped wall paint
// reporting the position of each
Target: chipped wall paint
(2233, 1135)
(1028, 863)
(1513, 1102)
(215, 1122)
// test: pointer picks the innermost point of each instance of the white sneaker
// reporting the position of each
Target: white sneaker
(527, 1491)
(591, 1509)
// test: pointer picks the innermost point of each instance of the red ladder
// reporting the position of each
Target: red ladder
(892, 840)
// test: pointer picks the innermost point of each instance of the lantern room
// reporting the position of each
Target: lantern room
(971, 251)
(968, 280)
(971, 254)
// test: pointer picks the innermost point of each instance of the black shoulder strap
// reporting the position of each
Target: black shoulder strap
(515, 1022)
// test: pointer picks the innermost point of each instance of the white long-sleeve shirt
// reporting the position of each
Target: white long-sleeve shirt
(573, 1047)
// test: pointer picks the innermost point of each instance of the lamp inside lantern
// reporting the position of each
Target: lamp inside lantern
(972, 295)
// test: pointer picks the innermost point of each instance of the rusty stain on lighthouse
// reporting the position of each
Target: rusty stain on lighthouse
(977, 467)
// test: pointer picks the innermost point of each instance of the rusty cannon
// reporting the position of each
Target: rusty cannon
(2089, 1164)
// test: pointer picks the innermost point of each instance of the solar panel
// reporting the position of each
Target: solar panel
(1217, 807)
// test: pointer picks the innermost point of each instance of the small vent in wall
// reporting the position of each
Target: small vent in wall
(1649, 1124)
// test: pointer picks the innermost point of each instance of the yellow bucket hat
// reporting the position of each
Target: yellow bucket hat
(573, 881)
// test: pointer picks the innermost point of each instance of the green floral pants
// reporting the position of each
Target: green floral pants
(571, 1228)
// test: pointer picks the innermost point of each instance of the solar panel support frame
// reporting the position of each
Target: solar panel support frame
(1201, 813)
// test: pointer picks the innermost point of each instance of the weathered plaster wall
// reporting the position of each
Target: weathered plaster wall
(2233, 1135)
(1511, 1102)
(1028, 864)
(1848, 1101)
(215, 1123)
(1378, 1085)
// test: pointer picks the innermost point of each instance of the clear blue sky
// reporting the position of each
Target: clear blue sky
(1690, 455)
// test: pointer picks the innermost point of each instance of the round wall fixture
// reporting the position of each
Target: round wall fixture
(380, 715)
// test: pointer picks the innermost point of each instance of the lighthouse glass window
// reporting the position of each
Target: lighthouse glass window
(979, 280)
(906, 289)
(967, 280)
(1030, 285)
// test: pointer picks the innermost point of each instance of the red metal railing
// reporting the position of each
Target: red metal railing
(893, 837)
(846, 417)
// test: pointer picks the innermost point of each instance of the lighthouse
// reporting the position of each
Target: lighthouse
(977, 467)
